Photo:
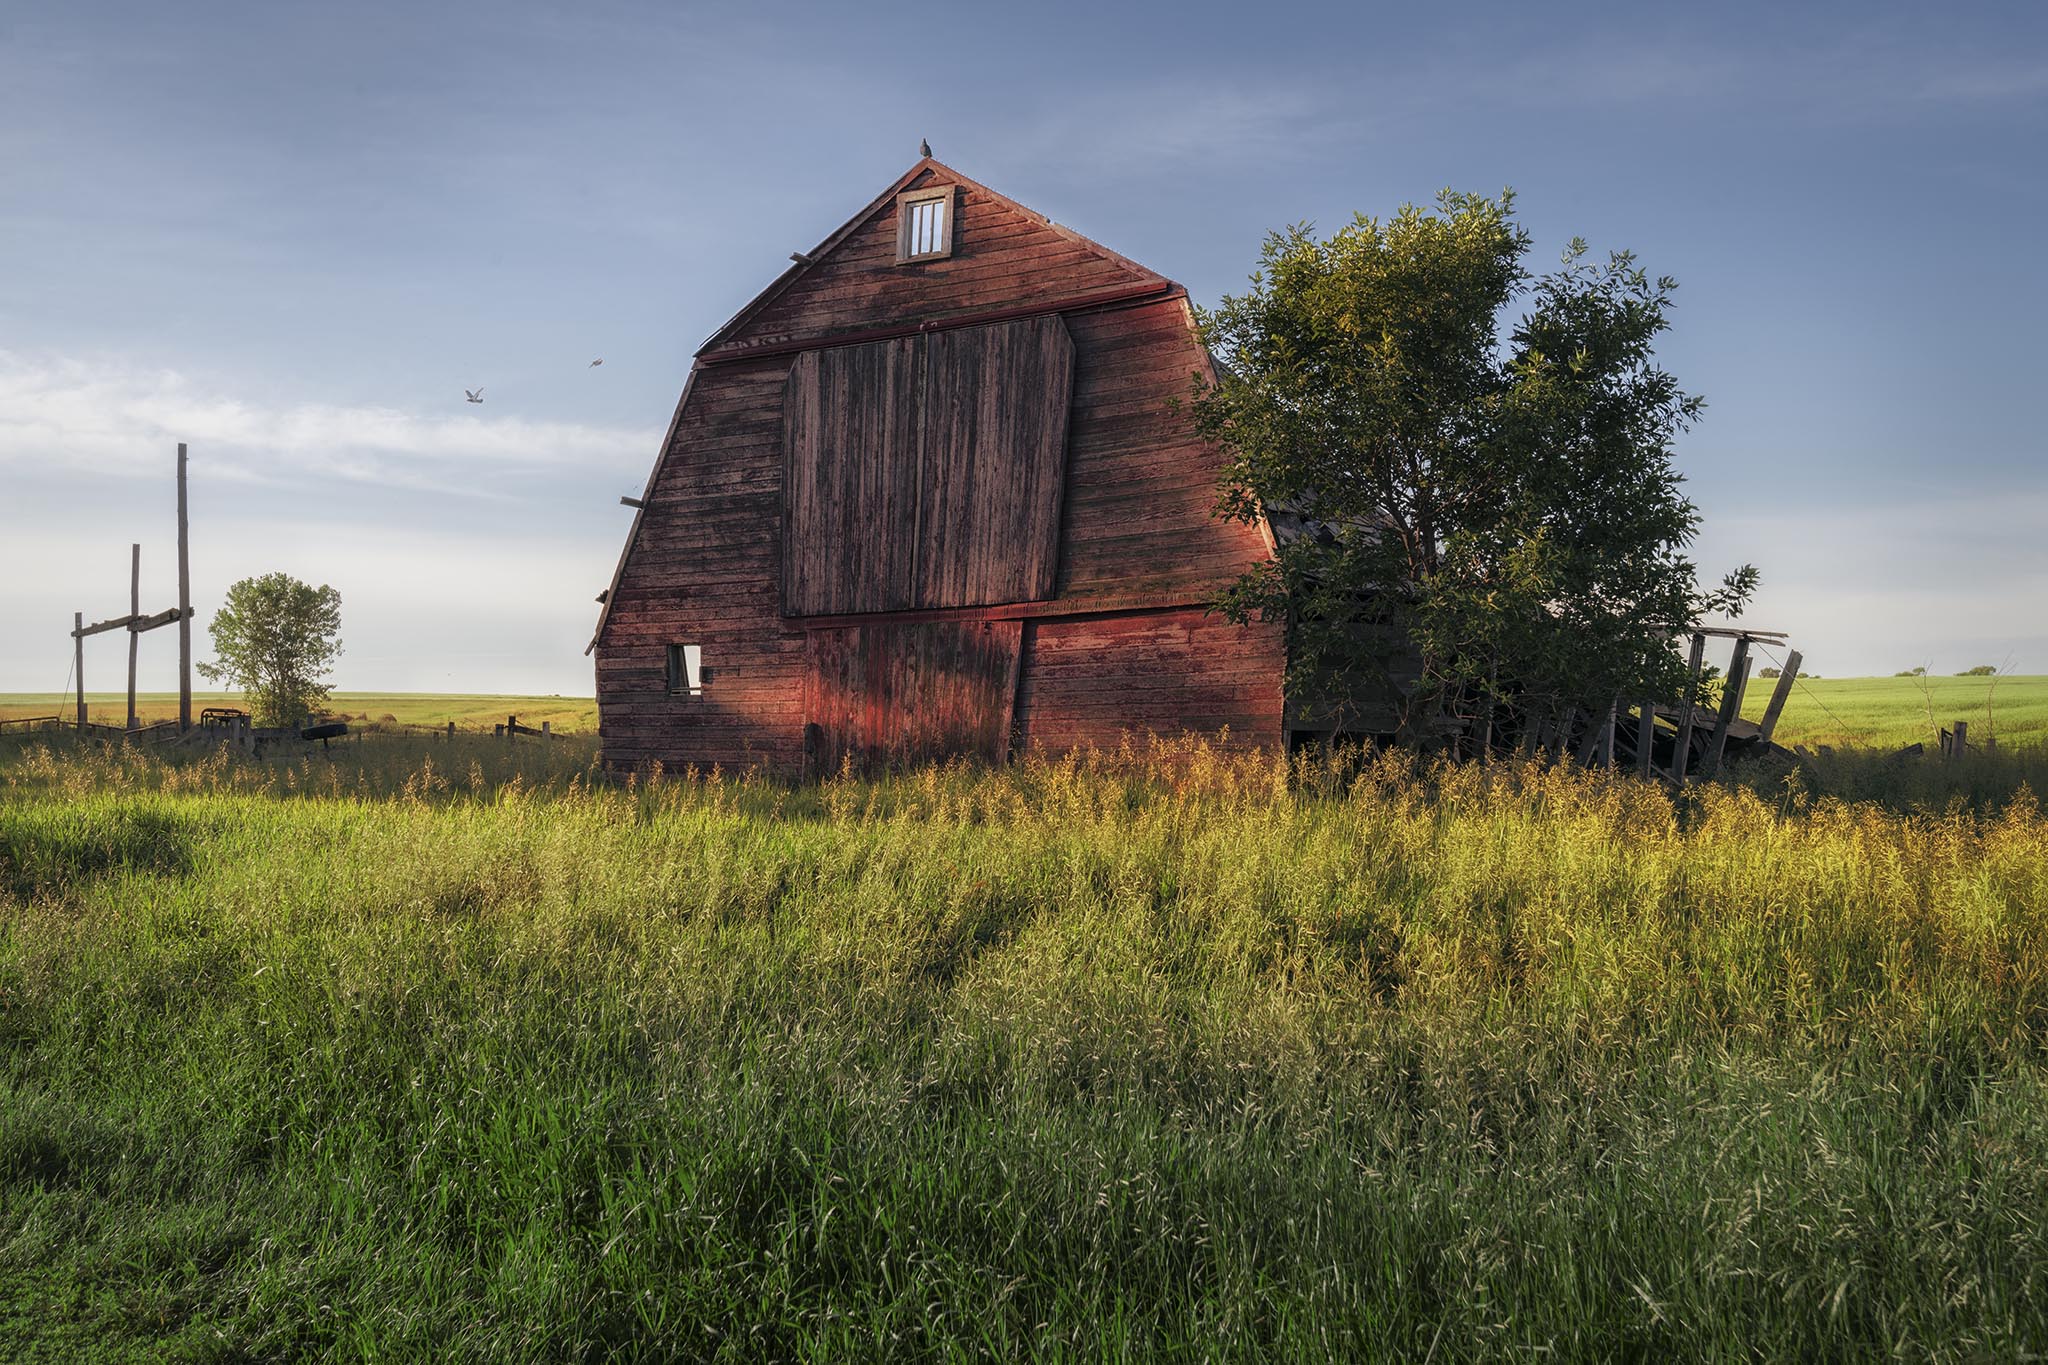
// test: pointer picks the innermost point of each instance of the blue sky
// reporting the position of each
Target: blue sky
(292, 235)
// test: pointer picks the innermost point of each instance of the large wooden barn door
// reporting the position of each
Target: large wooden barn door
(893, 694)
(926, 471)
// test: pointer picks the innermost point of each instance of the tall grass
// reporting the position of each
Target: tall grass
(459, 1052)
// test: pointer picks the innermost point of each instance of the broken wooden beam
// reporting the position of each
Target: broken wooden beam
(1731, 705)
(1681, 752)
(134, 623)
(1779, 695)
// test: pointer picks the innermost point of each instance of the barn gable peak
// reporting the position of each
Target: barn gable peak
(970, 254)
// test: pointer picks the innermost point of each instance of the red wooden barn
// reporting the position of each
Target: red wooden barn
(926, 495)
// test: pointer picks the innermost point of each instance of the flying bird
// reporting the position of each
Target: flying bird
(597, 362)
(474, 395)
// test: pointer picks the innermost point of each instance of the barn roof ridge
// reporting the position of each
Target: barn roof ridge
(809, 260)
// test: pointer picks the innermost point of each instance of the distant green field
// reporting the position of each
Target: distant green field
(1882, 713)
(469, 711)
(1889, 713)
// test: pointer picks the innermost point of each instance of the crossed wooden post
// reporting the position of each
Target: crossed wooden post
(135, 623)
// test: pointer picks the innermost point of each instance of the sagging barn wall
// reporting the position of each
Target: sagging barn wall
(960, 539)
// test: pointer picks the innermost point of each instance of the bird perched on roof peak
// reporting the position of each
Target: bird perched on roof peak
(923, 148)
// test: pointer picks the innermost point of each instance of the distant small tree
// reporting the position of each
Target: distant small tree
(1769, 673)
(1487, 506)
(1919, 672)
(1980, 671)
(276, 638)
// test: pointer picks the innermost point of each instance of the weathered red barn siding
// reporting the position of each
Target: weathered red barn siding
(836, 625)
(1140, 486)
(909, 692)
(1091, 680)
(1004, 257)
(703, 568)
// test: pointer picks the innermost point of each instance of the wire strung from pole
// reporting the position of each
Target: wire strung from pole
(1799, 681)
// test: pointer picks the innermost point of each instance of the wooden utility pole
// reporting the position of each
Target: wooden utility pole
(78, 662)
(184, 603)
(134, 613)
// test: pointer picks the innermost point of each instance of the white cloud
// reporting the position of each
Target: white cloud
(118, 417)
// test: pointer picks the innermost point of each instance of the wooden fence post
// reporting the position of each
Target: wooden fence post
(1681, 753)
(1961, 741)
(1646, 736)
(1731, 706)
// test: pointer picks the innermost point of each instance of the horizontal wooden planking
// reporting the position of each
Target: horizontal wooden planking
(1141, 486)
(701, 571)
(1095, 680)
(888, 695)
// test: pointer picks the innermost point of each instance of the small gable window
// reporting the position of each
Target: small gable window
(924, 224)
(686, 676)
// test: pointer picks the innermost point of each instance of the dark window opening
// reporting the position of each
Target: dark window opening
(686, 675)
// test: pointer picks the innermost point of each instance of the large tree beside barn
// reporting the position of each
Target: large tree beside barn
(1486, 515)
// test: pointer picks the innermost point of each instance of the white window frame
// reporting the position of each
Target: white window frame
(907, 204)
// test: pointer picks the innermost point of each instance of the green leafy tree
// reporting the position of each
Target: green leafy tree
(276, 638)
(1980, 671)
(1489, 514)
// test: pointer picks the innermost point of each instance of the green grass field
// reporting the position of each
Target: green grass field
(1884, 713)
(425, 710)
(452, 1052)
(1890, 713)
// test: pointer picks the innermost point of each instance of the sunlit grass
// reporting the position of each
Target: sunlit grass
(374, 710)
(460, 1051)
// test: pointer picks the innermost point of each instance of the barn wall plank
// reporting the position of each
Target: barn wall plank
(1095, 680)
(703, 571)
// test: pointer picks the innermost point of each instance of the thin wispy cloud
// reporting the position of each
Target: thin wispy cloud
(117, 417)
(1149, 127)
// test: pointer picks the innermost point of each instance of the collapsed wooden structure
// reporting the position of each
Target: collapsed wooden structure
(1679, 739)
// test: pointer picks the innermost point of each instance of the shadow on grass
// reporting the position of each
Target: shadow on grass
(47, 850)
